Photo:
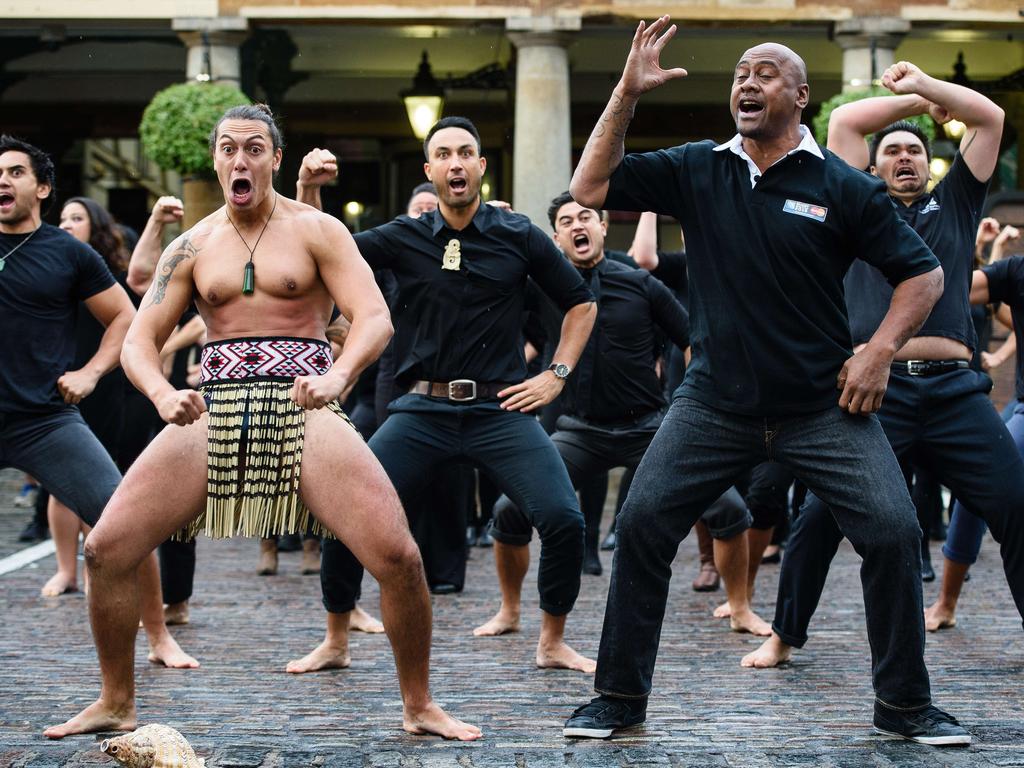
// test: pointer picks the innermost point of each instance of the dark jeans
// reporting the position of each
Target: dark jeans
(948, 423)
(966, 530)
(766, 493)
(588, 450)
(423, 433)
(699, 452)
(63, 454)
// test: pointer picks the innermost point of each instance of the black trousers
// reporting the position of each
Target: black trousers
(423, 434)
(945, 423)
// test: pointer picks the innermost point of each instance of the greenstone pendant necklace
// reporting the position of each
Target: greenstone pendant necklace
(249, 275)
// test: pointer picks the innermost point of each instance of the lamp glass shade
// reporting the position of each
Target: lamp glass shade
(423, 112)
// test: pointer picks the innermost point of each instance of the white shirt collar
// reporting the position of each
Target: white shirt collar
(807, 144)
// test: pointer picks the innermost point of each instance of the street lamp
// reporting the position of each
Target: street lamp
(424, 101)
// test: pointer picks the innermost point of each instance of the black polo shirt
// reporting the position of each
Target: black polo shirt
(466, 322)
(768, 325)
(947, 220)
(1006, 284)
(615, 380)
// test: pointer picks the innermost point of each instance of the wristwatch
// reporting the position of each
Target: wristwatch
(561, 370)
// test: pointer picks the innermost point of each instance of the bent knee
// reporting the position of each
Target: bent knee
(400, 561)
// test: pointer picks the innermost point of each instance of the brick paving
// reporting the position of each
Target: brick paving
(240, 709)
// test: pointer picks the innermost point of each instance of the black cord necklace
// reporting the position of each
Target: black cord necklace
(249, 276)
(3, 260)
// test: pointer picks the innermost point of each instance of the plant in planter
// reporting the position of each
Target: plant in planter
(175, 132)
(820, 122)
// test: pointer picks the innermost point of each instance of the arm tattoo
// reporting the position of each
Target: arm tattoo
(618, 117)
(167, 266)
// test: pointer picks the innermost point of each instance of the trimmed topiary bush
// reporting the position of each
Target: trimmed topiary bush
(820, 122)
(175, 127)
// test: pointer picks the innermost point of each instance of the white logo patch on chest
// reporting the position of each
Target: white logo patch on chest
(807, 210)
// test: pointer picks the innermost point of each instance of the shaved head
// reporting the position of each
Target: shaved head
(788, 59)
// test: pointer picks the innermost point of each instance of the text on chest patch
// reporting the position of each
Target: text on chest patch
(807, 210)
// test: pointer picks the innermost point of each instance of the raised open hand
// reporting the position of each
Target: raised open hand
(643, 70)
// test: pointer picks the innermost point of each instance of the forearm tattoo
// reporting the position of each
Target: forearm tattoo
(185, 250)
(613, 125)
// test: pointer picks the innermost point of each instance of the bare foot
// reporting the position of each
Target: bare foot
(501, 624)
(937, 617)
(433, 719)
(166, 651)
(176, 613)
(723, 611)
(98, 716)
(771, 653)
(324, 656)
(748, 621)
(360, 621)
(561, 656)
(59, 584)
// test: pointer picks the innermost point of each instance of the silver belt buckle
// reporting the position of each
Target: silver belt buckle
(457, 390)
(916, 367)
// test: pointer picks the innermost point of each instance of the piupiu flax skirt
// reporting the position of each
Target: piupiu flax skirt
(255, 436)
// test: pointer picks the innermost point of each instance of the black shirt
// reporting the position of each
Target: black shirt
(40, 288)
(466, 322)
(671, 270)
(1006, 284)
(947, 220)
(615, 379)
(768, 325)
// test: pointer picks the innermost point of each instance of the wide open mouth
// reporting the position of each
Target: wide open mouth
(241, 191)
(6, 201)
(581, 243)
(750, 107)
(458, 184)
(905, 172)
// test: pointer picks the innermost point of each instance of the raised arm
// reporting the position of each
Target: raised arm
(165, 301)
(918, 93)
(113, 309)
(319, 167)
(350, 282)
(606, 147)
(644, 248)
(167, 210)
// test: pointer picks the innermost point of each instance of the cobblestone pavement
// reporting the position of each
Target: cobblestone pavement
(241, 709)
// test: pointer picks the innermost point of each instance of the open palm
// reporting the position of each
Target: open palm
(643, 70)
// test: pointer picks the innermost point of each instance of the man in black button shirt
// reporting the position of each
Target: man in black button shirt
(461, 275)
(772, 224)
(936, 409)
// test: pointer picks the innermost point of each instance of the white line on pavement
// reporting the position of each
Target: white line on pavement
(26, 556)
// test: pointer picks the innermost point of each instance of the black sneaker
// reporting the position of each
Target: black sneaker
(925, 726)
(603, 715)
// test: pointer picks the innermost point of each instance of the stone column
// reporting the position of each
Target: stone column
(214, 48)
(869, 46)
(542, 161)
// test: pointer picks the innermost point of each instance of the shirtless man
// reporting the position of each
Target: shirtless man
(299, 265)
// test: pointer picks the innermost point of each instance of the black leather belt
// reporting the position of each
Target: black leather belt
(459, 390)
(928, 367)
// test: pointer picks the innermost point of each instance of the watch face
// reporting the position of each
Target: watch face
(561, 370)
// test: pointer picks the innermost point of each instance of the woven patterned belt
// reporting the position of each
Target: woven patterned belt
(928, 367)
(268, 358)
(459, 390)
